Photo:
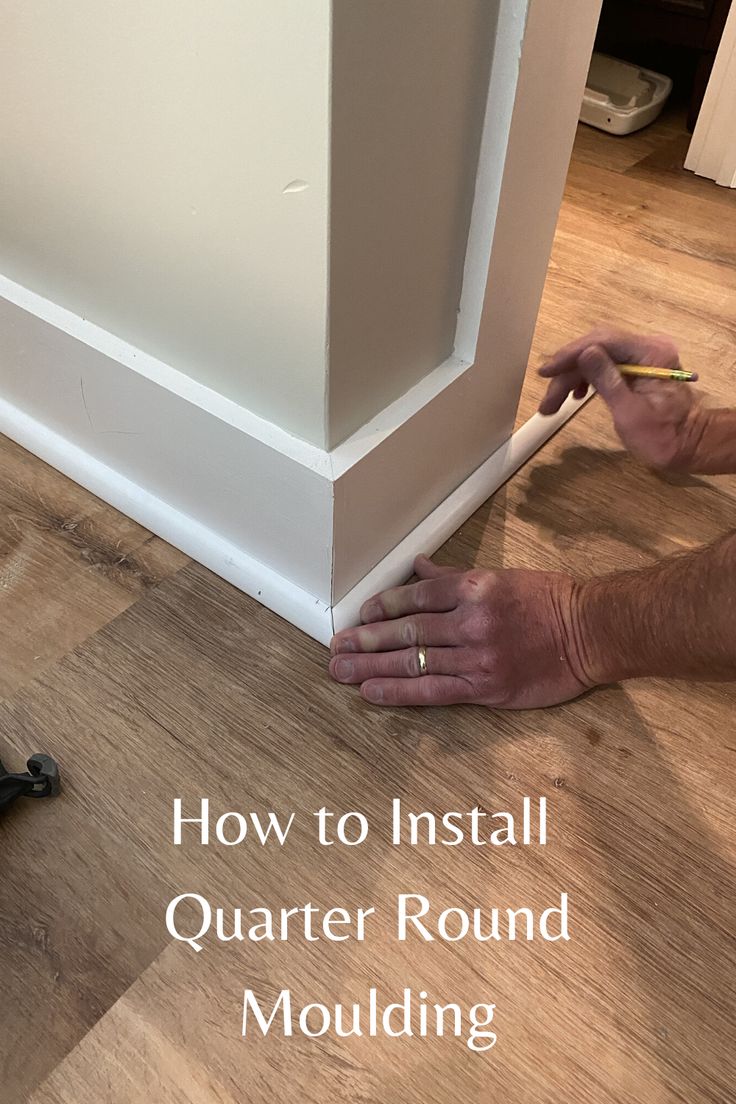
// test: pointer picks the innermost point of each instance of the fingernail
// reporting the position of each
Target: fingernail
(371, 611)
(344, 644)
(343, 670)
(333, 646)
(373, 693)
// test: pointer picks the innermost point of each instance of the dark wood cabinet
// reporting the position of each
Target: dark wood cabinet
(691, 28)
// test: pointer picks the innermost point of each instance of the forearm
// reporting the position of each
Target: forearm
(676, 619)
(715, 450)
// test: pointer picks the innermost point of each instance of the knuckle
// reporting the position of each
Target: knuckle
(592, 357)
(486, 689)
(477, 627)
(478, 585)
(410, 633)
(421, 595)
(495, 685)
(487, 660)
(664, 348)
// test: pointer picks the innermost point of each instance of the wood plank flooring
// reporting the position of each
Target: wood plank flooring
(68, 564)
(158, 680)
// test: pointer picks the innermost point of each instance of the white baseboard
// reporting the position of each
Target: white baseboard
(232, 563)
(229, 561)
(236, 475)
(450, 514)
(308, 533)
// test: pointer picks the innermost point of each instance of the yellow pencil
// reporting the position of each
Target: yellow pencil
(645, 372)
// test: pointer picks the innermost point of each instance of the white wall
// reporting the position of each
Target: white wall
(145, 148)
(410, 80)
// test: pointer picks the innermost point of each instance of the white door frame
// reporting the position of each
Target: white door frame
(712, 152)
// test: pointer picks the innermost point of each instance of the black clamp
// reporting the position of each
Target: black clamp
(42, 780)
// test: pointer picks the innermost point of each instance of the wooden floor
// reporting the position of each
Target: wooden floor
(149, 678)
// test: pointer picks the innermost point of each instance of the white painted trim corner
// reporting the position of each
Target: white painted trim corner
(446, 519)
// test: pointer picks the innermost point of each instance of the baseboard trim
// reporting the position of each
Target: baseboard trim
(446, 518)
(228, 561)
(234, 565)
(248, 574)
(303, 531)
(250, 485)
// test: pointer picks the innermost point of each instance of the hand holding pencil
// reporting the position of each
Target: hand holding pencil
(640, 379)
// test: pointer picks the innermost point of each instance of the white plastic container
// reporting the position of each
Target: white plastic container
(620, 97)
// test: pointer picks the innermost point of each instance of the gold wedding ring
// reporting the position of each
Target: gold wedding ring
(422, 657)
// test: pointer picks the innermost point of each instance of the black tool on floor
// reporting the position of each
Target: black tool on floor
(42, 780)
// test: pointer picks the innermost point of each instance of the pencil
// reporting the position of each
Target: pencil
(645, 372)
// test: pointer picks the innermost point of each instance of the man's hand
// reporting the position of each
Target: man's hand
(661, 423)
(499, 638)
(524, 639)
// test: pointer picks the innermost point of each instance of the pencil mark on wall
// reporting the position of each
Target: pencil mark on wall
(84, 401)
